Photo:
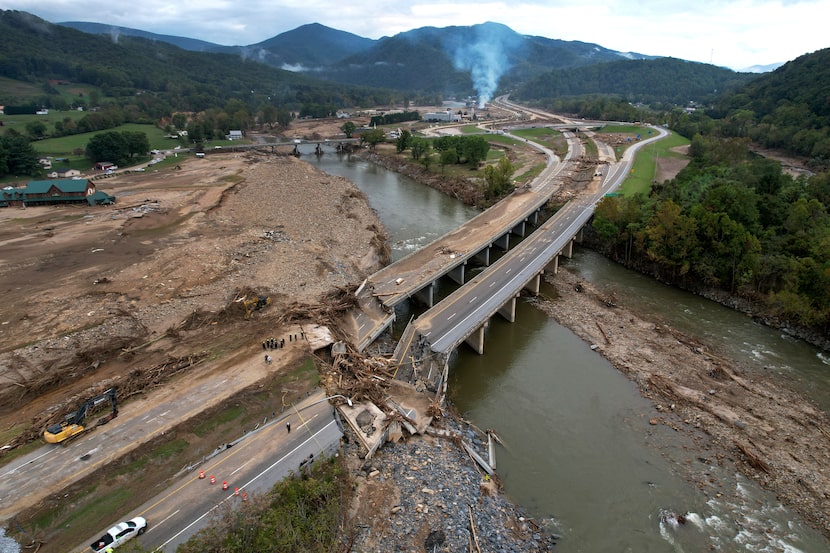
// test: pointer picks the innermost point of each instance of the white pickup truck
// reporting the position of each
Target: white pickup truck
(119, 534)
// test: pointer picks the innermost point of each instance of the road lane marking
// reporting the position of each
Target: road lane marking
(242, 466)
(27, 463)
(162, 521)
(237, 449)
(251, 481)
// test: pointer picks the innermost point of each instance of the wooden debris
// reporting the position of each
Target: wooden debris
(751, 458)
(604, 335)
(473, 529)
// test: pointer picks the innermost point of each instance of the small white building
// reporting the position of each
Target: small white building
(234, 135)
(69, 174)
(443, 116)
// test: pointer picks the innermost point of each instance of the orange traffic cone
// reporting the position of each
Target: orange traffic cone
(212, 479)
(236, 491)
(201, 474)
(224, 484)
(244, 496)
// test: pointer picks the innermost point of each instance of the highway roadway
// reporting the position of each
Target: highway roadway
(447, 324)
(254, 465)
(402, 279)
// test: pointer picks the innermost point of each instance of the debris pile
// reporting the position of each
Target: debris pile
(137, 381)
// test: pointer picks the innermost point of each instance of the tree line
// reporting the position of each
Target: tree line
(732, 221)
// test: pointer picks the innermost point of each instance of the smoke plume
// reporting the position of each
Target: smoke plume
(484, 54)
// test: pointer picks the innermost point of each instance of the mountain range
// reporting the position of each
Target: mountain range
(428, 59)
(315, 64)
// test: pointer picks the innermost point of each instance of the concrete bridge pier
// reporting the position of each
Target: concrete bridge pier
(508, 310)
(553, 266)
(533, 284)
(569, 249)
(457, 274)
(483, 256)
(534, 218)
(426, 295)
(503, 241)
(519, 230)
(476, 339)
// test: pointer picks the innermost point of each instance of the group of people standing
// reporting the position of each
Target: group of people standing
(272, 344)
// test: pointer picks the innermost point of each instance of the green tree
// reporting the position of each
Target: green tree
(36, 128)
(196, 131)
(180, 121)
(402, 143)
(269, 115)
(498, 178)
(420, 147)
(672, 240)
(448, 157)
(137, 143)
(108, 146)
(474, 150)
(284, 118)
(17, 156)
(426, 160)
(348, 128)
(373, 137)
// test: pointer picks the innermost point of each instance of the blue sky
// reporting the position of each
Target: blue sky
(735, 34)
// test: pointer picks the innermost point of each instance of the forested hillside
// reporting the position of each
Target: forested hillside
(787, 109)
(735, 222)
(661, 81)
(169, 78)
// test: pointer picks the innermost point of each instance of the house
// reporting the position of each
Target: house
(68, 173)
(105, 166)
(234, 135)
(54, 192)
(45, 162)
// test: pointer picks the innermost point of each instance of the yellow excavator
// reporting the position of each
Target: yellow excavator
(255, 304)
(73, 424)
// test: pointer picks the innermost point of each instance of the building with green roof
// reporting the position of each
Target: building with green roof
(55, 192)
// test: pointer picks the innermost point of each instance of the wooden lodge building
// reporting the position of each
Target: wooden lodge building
(55, 192)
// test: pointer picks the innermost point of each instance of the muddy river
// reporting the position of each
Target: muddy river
(580, 454)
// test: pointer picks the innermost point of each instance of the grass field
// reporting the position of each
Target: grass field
(545, 136)
(644, 170)
(65, 145)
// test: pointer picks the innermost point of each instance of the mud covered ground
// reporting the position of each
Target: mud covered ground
(96, 296)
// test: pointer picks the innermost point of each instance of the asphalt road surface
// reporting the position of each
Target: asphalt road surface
(253, 465)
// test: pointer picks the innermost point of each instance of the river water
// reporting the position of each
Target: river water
(580, 455)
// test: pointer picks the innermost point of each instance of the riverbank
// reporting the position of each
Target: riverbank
(427, 494)
(758, 310)
(766, 431)
(756, 425)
